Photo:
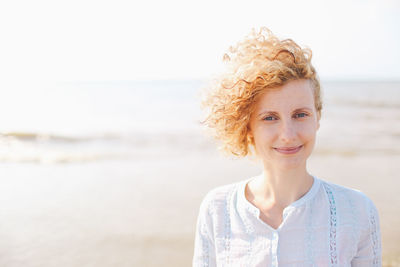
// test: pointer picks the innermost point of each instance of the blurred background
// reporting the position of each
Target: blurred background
(103, 161)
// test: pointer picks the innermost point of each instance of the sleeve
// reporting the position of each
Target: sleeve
(369, 251)
(204, 248)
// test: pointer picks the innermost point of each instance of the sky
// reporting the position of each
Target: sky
(82, 40)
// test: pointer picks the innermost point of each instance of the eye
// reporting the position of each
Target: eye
(269, 118)
(301, 115)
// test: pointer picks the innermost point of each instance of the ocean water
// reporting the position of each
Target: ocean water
(74, 122)
(89, 122)
(360, 118)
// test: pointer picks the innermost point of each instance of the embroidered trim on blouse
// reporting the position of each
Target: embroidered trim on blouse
(228, 227)
(206, 249)
(206, 242)
(333, 219)
(354, 217)
(375, 241)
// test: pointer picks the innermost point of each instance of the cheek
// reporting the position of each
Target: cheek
(264, 135)
(308, 131)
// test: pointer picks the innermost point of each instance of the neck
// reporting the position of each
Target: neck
(282, 187)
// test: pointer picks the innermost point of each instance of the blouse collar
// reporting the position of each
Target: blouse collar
(246, 208)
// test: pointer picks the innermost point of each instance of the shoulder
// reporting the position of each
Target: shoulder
(347, 193)
(217, 199)
(351, 200)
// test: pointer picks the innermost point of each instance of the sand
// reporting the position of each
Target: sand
(142, 212)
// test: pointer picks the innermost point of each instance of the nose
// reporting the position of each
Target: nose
(288, 131)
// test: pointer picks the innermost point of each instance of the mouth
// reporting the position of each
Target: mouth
(288, 150)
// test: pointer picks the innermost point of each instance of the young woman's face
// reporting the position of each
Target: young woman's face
(284, 125)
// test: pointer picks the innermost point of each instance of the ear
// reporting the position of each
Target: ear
(249, 133)
(250, 137)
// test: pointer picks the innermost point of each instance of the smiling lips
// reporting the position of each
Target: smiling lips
(288, 150)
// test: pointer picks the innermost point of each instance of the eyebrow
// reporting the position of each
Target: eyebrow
(276, 113)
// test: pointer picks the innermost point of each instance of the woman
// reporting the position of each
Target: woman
(269, 104)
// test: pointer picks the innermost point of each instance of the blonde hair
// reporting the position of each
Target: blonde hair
(261, 61)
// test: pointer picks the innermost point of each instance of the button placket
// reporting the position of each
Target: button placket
(274, 248)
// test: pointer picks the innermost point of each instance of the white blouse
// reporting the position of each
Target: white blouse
(329, 226)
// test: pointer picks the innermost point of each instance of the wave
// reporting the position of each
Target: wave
(30, 147)
(39, 148)
(31, 136)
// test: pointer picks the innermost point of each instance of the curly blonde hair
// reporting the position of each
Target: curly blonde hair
(261, 61)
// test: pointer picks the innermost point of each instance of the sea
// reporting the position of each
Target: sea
(68, 123)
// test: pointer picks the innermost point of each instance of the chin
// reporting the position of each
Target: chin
(285, 163)
(291, 163)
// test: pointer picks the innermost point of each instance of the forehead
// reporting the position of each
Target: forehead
(294, 94)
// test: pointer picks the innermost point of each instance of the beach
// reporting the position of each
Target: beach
(124, 188)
